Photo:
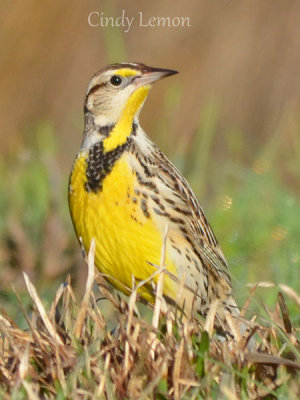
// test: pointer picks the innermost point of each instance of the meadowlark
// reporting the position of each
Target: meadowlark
(123, 192)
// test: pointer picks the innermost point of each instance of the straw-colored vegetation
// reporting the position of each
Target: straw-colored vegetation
(68, 352)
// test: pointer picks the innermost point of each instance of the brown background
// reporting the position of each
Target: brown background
(245, 53)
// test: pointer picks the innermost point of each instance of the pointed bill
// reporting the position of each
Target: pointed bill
(153, 75)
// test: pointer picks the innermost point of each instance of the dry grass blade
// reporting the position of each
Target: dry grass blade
(131, 307)
(101, 386)
(291, 293)
(260, 358)
(5, 319)
(32, 394)
(210, 318)
(132, 301)
(227, 392)
(233, 327)
(56, 300)
(89, 284)
(24, 364)
(285, 313)
(102, 284)
(160, 282)
(288, 290)
(41, 310)
(261, 285)
(177, 368)
(248, 301)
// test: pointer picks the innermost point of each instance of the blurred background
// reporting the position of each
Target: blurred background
(230, 121)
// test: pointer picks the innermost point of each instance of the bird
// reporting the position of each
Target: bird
(125, 194)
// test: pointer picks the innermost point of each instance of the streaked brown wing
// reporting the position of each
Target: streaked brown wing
(186, 204)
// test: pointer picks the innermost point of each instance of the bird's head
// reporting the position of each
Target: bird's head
(119, 91)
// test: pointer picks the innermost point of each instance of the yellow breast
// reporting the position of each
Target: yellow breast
(126, 239)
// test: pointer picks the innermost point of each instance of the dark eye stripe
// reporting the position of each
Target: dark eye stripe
(95, 88)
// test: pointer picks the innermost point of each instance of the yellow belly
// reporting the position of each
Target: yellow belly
(126, 240)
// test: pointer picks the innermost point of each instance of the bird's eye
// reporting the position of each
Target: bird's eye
(116, 80)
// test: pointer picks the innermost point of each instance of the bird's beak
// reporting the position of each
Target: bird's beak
(152, 75)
